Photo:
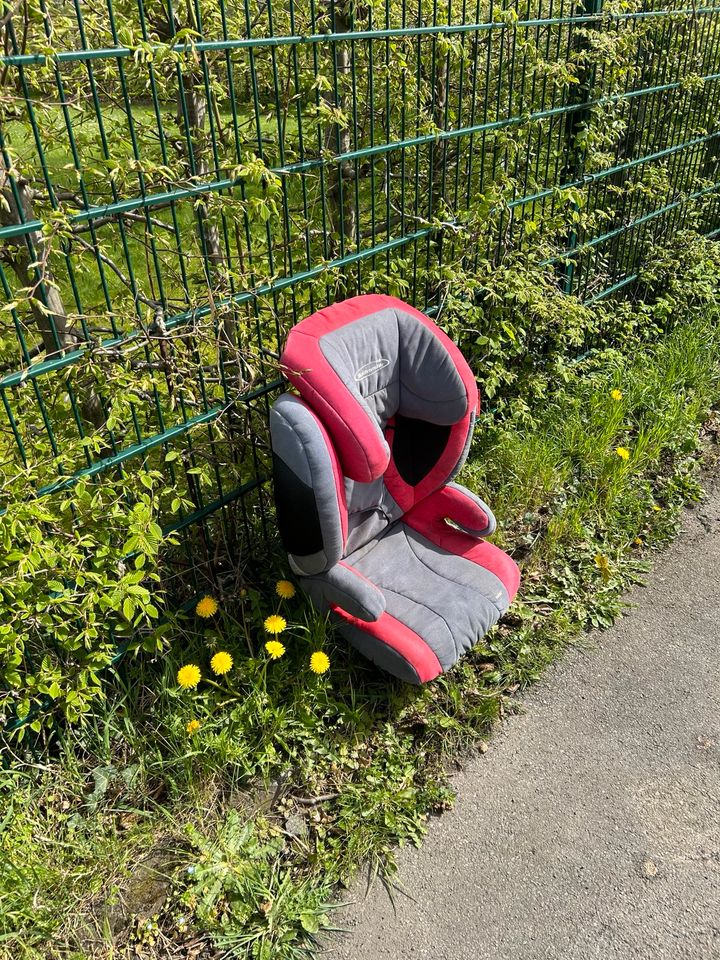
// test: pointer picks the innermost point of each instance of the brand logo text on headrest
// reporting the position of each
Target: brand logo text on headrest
(368, 369)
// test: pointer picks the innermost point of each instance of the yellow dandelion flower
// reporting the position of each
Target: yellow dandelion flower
(657, 508)
(221, 663)
(616, 394)
(275, 624)
(638, 541)
(603, 565)
(189, 676)
(623, 453)
(285, 590)
(275, 649)
(319, 662)
(207, 607)
(192, 726)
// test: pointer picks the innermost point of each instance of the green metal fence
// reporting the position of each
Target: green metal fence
(181, 182)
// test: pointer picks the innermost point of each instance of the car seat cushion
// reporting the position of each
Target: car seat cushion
(344, 586)
(309, 487)
(364, 465)
(365, 361)
(437, 604)
(429, 519)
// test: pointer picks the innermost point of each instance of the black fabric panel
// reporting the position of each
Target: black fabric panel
(297, 512)
(417, 447)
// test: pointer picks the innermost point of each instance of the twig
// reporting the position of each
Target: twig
(314, 801)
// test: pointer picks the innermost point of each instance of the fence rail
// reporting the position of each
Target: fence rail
(179, 185)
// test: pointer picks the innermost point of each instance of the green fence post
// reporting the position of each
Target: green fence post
(577, 120)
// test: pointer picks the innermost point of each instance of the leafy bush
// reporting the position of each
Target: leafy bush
(523, 336)
(270, 784)
(82, 569)
(78, 576)
(168, 212)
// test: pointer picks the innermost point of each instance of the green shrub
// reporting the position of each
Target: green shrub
(78, 576)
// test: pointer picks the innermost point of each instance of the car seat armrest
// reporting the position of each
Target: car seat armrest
(345, 587)
(460, 505)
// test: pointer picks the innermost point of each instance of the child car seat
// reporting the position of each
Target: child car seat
(363, 466)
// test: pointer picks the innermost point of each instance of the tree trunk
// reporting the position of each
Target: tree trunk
(341, 176)
(192, 112)
(196, 108)
(53, 323)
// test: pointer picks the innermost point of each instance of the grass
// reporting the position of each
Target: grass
(131, 837)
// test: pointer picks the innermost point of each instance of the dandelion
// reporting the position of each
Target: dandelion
(275, 623)
(192, 726)
(221, 663)
(207, 607)
(623, 453)
(275, 649)
(616, 394)
(319, 662)
(189, 676)
(285, 590)
(603, 565)
(657, 508)
(638, 541)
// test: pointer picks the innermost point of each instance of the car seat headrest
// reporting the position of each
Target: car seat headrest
(363, 361)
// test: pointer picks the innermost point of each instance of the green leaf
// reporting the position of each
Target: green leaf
(309, 922)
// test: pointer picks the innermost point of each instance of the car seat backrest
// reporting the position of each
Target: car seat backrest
(385, 417)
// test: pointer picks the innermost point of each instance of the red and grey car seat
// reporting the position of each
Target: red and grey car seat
(364, 460)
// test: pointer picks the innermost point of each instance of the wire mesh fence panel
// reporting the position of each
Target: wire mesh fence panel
(182, 182)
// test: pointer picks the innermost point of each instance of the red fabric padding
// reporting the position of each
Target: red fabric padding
(448, 460)
(458, 435)
(428, 518)
(452, 503)
(406, 495)
(402, 639)
(400, 490)
(357, 436)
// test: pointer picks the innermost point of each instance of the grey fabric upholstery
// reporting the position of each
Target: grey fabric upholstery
(345, 587)
(393, 364)
(370, 509)
(299, 443)
(448, 601)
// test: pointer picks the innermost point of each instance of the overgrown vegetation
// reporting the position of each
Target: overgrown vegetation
(95, 578)
(132, 835)
(168, 208)
(172, 203)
